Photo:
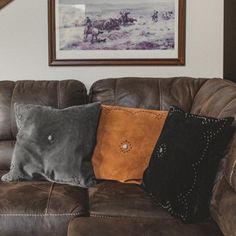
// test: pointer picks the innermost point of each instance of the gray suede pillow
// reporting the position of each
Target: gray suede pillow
(54, 144)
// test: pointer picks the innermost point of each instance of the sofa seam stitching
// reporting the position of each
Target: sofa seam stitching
(46, 214)
(121, 217)
(49, 197)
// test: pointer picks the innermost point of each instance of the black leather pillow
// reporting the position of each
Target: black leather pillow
(184, 163)
(55, 145)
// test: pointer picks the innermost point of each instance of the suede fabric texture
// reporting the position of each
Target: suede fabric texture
(184, 163)
(54, 144)
(126, 138)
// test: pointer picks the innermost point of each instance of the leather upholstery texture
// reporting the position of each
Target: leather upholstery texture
(110, 226)
(149, 93)
(124, 209)
(217, 98)
(223, 207)
(39, 208)
(58, 94)
(110, 198)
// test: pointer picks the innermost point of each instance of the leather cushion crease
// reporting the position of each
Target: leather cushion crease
(125, 141)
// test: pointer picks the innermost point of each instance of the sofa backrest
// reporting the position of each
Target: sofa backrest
(214, 97)
(59, 94)
(150, 93)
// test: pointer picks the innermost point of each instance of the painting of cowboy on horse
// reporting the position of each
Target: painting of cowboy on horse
(117, 25)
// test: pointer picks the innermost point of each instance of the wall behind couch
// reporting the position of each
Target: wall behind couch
(24, 55)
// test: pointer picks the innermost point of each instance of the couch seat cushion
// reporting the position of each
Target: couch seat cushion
(110, 198)
(39, 208)
(115, 226)
(128, 210)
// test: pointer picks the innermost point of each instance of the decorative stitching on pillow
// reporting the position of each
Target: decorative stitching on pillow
(156, 116)
(126, 146)
(180, 200)
(48, 136)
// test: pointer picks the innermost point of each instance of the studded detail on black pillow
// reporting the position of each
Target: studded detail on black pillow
(184, 163)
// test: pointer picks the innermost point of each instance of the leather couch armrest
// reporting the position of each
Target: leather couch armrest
(217, 98)
(230, 168)
(223, 207)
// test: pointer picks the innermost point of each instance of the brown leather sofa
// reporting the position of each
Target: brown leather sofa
(111, 208)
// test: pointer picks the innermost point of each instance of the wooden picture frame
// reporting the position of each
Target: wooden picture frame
(3, 3)
(75, 39)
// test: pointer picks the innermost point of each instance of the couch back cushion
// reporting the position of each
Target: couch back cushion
(57, 94)
(149, 93)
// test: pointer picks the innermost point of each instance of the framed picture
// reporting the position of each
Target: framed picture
(3, 3)
(121, 32)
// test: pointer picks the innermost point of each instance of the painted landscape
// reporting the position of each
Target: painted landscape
(117, 25)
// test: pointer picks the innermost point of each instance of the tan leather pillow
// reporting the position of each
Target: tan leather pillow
(125, 140)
